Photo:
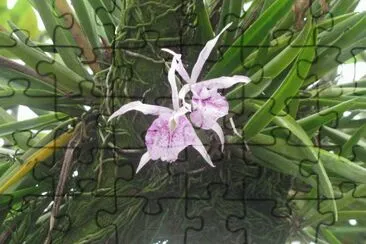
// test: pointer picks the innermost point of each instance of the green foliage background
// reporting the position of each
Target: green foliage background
(299, 150)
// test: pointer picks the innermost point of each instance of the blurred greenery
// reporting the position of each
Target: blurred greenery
(23, 15)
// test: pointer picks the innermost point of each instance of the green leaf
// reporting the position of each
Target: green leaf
(61, 37)
(341, 166)
(334, 101)
(329, 24)
(329, 37)
(325, 184)
(25, 38)
(343, 7)
(277, 64)
(14, 75)
(339, 138)
(42, 100)
(114, 8)
(286, 91)
(329, 236)
(233, 57)
(338, 92)
(106, 19)
(346, 47)
(312, 122)
(336, 164)
(4, 166)
(39, 146)
(250, 16)
(359, 83)
(347, 147)
(309, 152)
(204, 27)
(346, 200)
(286, 166)
(39, 122)
(224, 12)
(346, 215)
(88, 24)
(19, 139)
(231, 13)
(263, 52)
(67, 80)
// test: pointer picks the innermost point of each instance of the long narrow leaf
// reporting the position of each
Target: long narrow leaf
(18, 76)
(12, 127)
(329, 236)
(314, 121)
(240, 49)
(340, 138)
(204, 28)
(347, 147)
(78, 34)
(341, 166)
(88, 24)
(106, 19)
(61, 37)
(66, 80)
(343, 7)
(23, 37)
(262, 78)
(309, 153)
(286, 91)
(232, 15)
(42, 100)
(39, 156)
(19, 139)
(281, 164)
(332, 36)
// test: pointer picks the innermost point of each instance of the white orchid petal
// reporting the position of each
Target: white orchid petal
(141, 107)
(202, 150)
(145, 158)
(184, 90)
(218, 130)
(173, 84)
(180, 68)
(234, 128)
(170, 51)
(204, 54)
(182, 94)
(223, 82)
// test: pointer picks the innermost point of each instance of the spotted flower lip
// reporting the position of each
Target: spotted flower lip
(171, 132)
(207, 104)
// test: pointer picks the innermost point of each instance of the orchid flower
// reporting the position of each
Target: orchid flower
(207, 104)
(171, 132)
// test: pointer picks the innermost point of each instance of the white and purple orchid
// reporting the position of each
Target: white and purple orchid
(171, 132)
(207, 104)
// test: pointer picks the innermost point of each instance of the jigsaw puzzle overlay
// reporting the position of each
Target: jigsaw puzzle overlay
(293, 165)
